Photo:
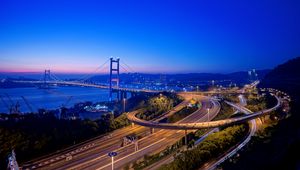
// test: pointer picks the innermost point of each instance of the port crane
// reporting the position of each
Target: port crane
(13, 108)
(5, 104)
(67, 102)
(27, 104)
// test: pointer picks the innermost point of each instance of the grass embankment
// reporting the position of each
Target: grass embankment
(225, 112)
(149, 160)
(184, 112)
(158, 105)
(256, 103)
(231, 98)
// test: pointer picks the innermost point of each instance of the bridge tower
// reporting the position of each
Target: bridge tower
(114, 76)
(12, 162)
(46, 78)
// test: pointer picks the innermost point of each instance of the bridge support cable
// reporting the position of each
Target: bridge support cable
(54, 77)
(134, 74)
(91, 74)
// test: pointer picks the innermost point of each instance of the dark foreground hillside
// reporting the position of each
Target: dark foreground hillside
(285, 77)
(282, 149)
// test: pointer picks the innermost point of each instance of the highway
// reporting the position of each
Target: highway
(200, 125)
(213, 164)
(93, 154)
(93, 150)
(86, 148)
(153, 143)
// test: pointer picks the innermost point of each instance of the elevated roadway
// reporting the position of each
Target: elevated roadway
(200, 125)
(214, 163)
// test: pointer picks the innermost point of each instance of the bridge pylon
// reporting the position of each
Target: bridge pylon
(114, 76)
(46, 79)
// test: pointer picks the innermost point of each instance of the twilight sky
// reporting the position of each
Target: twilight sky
(150, 36)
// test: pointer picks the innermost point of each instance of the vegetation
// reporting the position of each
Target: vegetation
(184, 112)
(277, 147)
(158, 105)
(225, 112)
(213, 146)
(231, 98)
(256, 103)
(148, 160)
(34, 135)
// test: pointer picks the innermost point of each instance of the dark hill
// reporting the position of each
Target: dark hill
(285, 77)
(280, 150)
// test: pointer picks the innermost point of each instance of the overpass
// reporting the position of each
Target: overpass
(212, 124)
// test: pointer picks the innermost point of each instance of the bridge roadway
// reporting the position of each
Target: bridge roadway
(94, 153)
(74, 83)
(200, 125)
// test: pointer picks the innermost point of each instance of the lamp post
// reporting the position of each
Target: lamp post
(208, 114)
(112, 154)
(124, 105)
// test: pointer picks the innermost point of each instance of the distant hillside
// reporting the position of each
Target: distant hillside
(242, 76)
(285, 77)
(237, 77)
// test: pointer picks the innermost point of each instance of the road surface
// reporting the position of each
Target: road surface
(96, 150)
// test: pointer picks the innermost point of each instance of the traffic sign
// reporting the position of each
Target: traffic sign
(112, 154)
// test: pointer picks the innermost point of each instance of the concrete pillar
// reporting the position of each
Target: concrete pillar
(185, 137)
(151, 130)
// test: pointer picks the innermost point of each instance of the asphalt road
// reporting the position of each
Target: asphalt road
(94, 153)
(153, 143)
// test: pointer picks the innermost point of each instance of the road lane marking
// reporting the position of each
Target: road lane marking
(132, 153)
(114, 150)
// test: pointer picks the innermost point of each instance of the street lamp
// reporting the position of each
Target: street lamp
(208, 114)
(124, 105)
(112, 154)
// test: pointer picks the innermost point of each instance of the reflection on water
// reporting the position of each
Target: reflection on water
(50, 98)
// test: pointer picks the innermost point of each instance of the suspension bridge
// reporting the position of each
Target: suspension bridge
(114, 65)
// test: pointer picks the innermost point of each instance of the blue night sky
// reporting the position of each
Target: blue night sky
(150, 36)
